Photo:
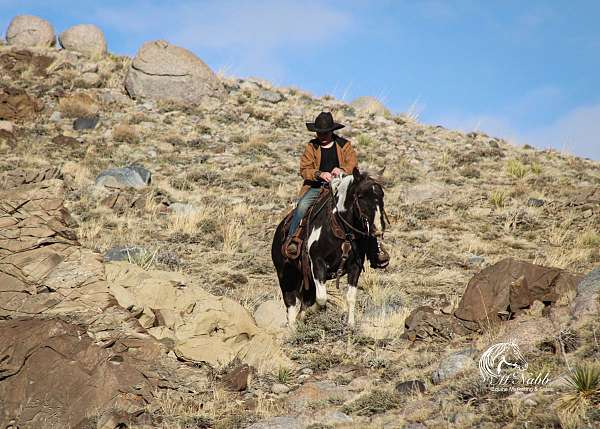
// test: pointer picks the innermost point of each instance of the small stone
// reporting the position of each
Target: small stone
(303, 377)
(475, 260)
(55, 116)
(85, 123)
(133, 176)
(90, 80)
(453, 365)
(124, 253)
(535, 202)
(336, 418)
(279, 388)
(308, 371)
(411, 386)
(270, 96)
(7, 126)
(182, 209)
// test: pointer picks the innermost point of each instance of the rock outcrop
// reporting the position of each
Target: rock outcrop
(84, 38)
(369, 104)
(202, 327)
(30, 31)
(167, 72)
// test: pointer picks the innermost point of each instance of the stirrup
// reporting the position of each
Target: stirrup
(298, 243)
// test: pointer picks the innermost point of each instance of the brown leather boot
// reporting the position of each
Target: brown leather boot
(292, 247)
(382, 259)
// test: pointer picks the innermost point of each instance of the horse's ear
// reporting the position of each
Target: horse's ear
(356, 174)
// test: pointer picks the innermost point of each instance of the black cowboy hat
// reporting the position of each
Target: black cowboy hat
(323, 123)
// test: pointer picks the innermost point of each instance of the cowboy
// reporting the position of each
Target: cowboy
(325, 157)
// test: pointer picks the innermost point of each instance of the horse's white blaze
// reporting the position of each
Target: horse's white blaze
(320, 286)
(341, 190)
(292, 312)
(351, 301)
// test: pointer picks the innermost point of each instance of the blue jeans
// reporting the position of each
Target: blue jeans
(304, 204)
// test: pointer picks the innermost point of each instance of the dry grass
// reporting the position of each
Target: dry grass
(516, 169)
(78, 105)
(125, 133)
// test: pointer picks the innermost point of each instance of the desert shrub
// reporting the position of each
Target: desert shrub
(375, 402)
(497, 198)
(125, 133)
(78, 105)
(516, 168)
(584, 389)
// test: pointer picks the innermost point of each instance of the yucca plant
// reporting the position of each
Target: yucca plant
(497, 198)
(516, 168)
(584, 386)
(284, 375)
(144, 258)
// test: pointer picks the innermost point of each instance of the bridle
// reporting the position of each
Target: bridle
(368, 232)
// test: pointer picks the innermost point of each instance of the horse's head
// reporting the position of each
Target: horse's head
(513, 356)
(358, 197)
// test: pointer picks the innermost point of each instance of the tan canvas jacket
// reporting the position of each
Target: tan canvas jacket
(311, 159)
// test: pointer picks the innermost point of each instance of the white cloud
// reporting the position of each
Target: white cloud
(253, 34)
(576, 132)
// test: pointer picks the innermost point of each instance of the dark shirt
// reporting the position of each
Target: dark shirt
(329, 159)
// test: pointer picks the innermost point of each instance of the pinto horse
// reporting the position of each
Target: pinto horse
(339, 234)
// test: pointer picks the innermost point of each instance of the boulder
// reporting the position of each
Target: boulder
(42, 267)
(84, 38)
(453, 365)
(510, 286)
(55, 368)
(30, 31)
(167, 72)
(586, 302)
(271, 315)
(206, 328)
(133, 176)
(86, 123)
(15, 104)
(370, 105)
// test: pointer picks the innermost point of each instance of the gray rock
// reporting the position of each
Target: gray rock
(87, 39)
(90, 80)
(279, 388)
(475, 260)
(270, 96)
(586, 300)
(369, 105)
(336, 418)
(167, 72)
(271, 315)
(182, 209)
(30, 31)
(535, 202)
(56, 116)
(123, 253)
(133, 176)
(282, 422)
(411, 386)
(453, 365)
(85, 123)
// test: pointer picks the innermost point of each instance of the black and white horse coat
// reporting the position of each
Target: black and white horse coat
(356, 199)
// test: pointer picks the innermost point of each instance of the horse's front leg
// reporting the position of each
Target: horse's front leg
(353, 274)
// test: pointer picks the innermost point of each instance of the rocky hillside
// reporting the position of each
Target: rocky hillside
(138, 199)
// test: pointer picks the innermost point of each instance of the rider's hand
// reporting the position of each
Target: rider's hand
(326, 176)
(336, 172)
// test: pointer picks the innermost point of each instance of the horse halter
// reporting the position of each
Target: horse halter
(364, 218)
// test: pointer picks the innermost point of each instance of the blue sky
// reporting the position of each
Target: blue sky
(528, 71)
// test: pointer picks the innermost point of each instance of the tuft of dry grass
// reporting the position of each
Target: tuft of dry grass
(497, 198)
(125, 133)
(516, 169)
(78, 105)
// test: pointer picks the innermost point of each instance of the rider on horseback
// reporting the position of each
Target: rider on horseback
(325, 157)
